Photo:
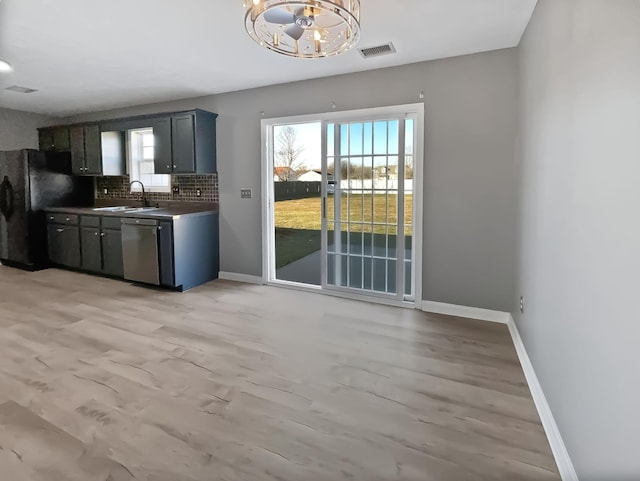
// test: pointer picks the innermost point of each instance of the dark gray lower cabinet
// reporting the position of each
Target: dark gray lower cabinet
(91, 249)
(101, 246)
(112, 252)
(186, 254)
(165, 252)
(93, 246)
(64, 245)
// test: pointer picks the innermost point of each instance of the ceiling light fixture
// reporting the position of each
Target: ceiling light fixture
(304, 29)
(5, 66)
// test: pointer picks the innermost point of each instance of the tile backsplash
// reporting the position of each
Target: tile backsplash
(117, 187)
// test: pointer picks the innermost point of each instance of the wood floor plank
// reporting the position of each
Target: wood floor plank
(106, 381)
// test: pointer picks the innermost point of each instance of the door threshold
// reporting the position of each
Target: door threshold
(298, 286)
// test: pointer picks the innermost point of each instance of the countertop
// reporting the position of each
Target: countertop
(174, 211)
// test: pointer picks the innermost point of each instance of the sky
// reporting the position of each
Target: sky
(378, 137)
(308, 136)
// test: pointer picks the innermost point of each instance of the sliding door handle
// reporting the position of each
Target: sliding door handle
(324, 207)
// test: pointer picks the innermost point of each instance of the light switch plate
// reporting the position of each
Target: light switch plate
(245, 193)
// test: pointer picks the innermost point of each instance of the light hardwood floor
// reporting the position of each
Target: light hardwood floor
(104, 381)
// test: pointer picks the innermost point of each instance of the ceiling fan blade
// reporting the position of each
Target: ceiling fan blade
(279, 15)
(295, 32)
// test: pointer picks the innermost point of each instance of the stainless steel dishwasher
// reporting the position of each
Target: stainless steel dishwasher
(140, 250)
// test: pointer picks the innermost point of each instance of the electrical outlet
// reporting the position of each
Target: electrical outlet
(522, 304)
(245, 193)
(198, 192)
(176, 189)
(106, 191)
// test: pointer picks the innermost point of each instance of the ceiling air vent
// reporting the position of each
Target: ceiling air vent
(385, 49)
(21, 90)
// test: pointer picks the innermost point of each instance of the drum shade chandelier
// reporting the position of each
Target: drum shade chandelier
(304, 29)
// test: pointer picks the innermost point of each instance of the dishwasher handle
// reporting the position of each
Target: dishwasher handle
(142, 222)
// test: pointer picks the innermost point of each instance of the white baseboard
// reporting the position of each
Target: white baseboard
(246, 278)
(464, 311)
(559, 450)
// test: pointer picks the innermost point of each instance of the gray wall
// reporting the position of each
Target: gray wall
(579, 247)
(470, 125)
(18, 129)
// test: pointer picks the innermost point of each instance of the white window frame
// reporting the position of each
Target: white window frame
(133, 157)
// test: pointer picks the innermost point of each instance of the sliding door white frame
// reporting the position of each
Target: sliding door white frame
(415, 111)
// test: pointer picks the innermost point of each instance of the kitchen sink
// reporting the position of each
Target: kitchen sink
(139, 209)
(123, 208)
(111, 209)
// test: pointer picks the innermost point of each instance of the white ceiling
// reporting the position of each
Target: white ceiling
(87, 55)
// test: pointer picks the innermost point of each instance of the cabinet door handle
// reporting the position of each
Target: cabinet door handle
(168, 166)
(95, 233)
(175, 166)
(102, 234)
(60, 230)
(67, 219)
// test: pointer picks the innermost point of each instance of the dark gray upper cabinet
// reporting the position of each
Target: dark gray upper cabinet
(92, 150)
(183, 144)
(45, 140)
(54, 139)
(96, 153)
(90, 248)
(61, 139)
(77, 150)
(190, 137)
(163, 162)
(85, 150)
(205, 134)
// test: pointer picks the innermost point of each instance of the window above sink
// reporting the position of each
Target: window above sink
(140, 156)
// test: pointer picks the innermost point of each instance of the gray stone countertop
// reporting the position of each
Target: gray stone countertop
(166, 211)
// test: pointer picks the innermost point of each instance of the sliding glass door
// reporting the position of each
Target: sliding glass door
(367, 207)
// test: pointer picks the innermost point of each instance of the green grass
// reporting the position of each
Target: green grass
(305, 213)
(298, 221)
(294, 244)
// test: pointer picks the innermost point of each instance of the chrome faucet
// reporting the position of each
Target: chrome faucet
(145, 203)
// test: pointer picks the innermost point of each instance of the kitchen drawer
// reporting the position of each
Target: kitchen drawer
(114, 223)
(90, 221)
(57, 218)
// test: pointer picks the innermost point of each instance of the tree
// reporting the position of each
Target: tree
(408, 162)
(355, 171)
(288, 153)
(408, 167)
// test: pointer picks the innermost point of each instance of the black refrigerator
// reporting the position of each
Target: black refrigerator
(31, 181)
